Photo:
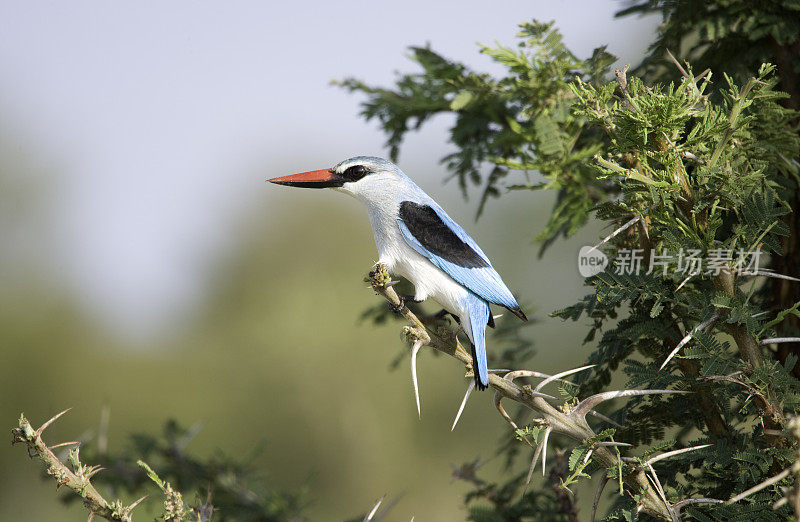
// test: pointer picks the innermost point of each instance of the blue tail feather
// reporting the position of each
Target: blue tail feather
(479, 314)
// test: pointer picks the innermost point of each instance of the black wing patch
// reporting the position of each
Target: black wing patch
(425, 225)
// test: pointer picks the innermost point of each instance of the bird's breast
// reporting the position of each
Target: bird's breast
(401, 259)
(429, 280)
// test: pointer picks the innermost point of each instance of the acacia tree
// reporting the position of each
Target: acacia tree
(735, 38)
(696, 176)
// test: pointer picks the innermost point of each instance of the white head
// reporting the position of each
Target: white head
(367, 178)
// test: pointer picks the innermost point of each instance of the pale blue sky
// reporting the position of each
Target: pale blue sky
(160, 120)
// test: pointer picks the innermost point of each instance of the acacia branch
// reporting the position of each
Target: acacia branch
(78, 480)
(751, 351)
(571, 423)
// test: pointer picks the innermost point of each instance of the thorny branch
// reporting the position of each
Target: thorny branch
(751, 351)
(78, 479)
(570, 422)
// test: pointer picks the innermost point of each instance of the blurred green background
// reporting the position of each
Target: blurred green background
(277, 354)
(253, 326)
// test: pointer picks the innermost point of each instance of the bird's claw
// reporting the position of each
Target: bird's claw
(397, 308)
(404, 299)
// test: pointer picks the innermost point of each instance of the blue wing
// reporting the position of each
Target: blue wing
(431, 232)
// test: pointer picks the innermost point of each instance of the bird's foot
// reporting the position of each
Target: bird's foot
(404, 298)
(441, 315)
(444, 313)
(408, 298)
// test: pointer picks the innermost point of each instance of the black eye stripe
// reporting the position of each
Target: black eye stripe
(355, 173)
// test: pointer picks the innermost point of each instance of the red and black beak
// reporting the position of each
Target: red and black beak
(312, 179)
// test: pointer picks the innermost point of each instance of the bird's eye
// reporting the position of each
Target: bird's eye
(355, 173)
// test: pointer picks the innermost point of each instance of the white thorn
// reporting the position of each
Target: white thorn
(657, 483)
(534, 460)
(677, 506)
(598, 494)
(617, 231)
(590, 402)
(470, 388)
(675, 452)
(588, 456)
(544, 448)
(700, 327)
(770, 273)
(562, 374)
(683, 283)
(414, 351)
(778, 340)
(374, 509)
(49, 422)
(644, 227)
(516, 374)
(758, 487)
(497, 399)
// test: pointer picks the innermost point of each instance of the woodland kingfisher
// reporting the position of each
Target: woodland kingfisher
(417, 240)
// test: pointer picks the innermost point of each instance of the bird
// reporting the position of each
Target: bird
(416, 239)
